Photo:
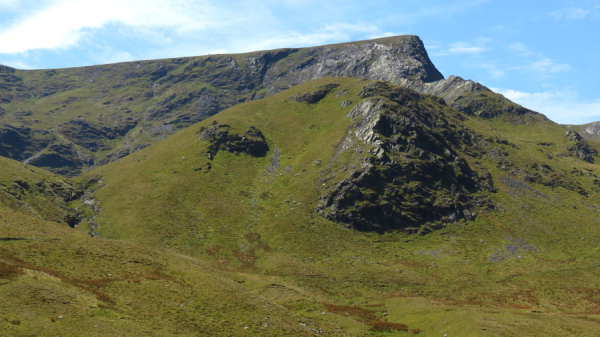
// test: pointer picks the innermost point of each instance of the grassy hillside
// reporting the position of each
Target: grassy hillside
(55, 280)
(527, 265)
(217, 228)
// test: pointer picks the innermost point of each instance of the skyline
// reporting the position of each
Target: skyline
(543, 59)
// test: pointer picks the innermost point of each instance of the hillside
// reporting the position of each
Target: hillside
(291, 201)
(56, 280)
(373, 203)
(67, 120)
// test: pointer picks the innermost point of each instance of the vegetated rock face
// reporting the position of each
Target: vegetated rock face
(315, 96)
(137, 103)
(580, 147)
(62, 158)
(406, 170)
(46, 197)
(251, 142)
(470, 97)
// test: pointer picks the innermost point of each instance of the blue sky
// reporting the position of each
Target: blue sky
(544, 55)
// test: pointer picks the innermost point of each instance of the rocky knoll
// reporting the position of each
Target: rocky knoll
(69, 119)
(406, 168)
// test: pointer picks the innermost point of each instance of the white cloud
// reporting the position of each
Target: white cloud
(547, 66)
(536, 62)
(63, 23)
(520, 48)
(206, 27)
(563, 107)
(465, 48)
(576, 13)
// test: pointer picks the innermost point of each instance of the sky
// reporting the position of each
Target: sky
(544, 55)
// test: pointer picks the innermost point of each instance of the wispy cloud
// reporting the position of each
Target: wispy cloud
(465, 48)
(564, 106)
(547, 66)
(535, 62)
(214, 27)
(63, 23)
(520, 48)
(576, 13)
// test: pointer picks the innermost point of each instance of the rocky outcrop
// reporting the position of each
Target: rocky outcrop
(220, 137)
(592, 129)
(315, 96)
(580, 147)
(469, 97)
(408, 171)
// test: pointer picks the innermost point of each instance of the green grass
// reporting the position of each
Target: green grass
(238, 241)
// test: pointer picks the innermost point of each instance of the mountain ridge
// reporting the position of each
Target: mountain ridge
(67, 120)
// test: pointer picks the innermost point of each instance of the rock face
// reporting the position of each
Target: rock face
(592, 129)
(315, 96)
(251, 142)
(580, 147)
(406, 169)
(469, 97)
(110, 110)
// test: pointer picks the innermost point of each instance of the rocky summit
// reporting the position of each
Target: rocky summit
(343, 190)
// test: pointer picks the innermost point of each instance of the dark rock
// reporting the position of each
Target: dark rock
(20, 143)
(412, 178)
(252, 142)
(315, 96)
(581, 148)
(64, 158)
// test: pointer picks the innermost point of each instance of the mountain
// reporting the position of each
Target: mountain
(67, 120)
(375, 204)
(339, 206)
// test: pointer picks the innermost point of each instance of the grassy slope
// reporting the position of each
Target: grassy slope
(439, 283)
(55, 280)
(35, 192)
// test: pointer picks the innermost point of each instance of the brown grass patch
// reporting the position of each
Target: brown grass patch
(387, 326)
(252, 237)
(213, 250)
(7, 271)
(99, 283)
(104, 298)
(416, 331)
(81, 284)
